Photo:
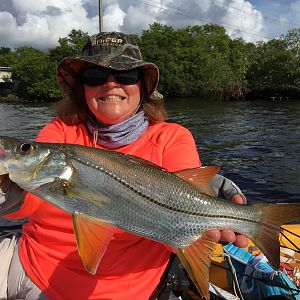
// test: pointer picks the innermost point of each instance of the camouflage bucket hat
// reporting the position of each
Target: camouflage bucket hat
(114, 50)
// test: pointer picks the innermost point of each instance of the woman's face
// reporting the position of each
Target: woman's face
(113, 102)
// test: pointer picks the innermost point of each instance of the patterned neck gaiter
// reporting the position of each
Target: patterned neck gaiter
(118, 135)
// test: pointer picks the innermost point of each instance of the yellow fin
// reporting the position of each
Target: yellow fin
(196, 260)
(200, 177)
(266, 236)
(93, 237)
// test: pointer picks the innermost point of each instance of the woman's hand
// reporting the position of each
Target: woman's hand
(228, 235)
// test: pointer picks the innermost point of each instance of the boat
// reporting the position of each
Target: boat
(227, 285)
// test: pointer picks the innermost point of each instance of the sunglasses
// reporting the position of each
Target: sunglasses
(97, 76)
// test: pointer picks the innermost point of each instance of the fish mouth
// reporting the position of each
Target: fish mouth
(2, 152)
(3, 156)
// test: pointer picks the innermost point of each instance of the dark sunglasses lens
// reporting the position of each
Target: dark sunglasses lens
(129, 77)
(94, 77)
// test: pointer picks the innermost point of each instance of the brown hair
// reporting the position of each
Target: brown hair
(72, 109)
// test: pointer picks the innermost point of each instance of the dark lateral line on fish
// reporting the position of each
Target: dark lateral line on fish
(123, 182)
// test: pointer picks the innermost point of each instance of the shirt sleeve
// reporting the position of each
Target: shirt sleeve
(53, 132)
(180, 151)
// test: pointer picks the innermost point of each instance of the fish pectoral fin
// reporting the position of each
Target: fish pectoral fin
(200, 177)
(196, 259)
(93, 237)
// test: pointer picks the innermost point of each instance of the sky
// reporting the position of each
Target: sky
(40, 23)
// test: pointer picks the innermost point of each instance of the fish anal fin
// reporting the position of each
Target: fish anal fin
(200, 177)
(196, 259)
(93, 237)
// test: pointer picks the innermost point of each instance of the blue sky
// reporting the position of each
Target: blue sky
(40, 23)
(279, 15)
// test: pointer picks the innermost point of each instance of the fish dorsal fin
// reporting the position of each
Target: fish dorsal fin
(93, 237)
(200, 177)
(196, 259)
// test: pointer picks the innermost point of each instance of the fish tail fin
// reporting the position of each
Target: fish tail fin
(196, 259)
(266, 236)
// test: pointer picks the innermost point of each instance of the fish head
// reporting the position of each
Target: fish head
(27, 163)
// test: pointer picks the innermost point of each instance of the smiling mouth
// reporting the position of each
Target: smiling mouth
(113, 98)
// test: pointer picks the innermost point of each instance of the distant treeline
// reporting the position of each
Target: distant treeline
(193, 61)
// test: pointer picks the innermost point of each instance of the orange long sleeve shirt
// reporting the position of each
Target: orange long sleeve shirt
(132, 265)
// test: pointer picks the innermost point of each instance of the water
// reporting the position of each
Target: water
(24, 120)
(257, 144)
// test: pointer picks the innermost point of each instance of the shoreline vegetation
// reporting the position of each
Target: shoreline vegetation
(194, 61)
(12, 98)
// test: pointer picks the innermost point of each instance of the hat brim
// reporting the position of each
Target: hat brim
(69, 69)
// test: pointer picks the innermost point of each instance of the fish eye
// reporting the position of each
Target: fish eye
(26, 148)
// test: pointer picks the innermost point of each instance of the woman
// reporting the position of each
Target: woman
(112, 104)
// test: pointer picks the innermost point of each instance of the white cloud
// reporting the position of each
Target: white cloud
(113, 17)
(41, 23)
(239, 18)
(280, 16)
(139, 17)
(7, 31)
(243, 20)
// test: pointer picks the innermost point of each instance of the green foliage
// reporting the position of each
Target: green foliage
(292, 39)
(4, 50)
(275, 69)
(195, 60)
(6, 57)
(69, 46)
(204, 60)
(158, 44)
(34, 73)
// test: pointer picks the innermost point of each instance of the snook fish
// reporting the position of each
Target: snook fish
(103, 190)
